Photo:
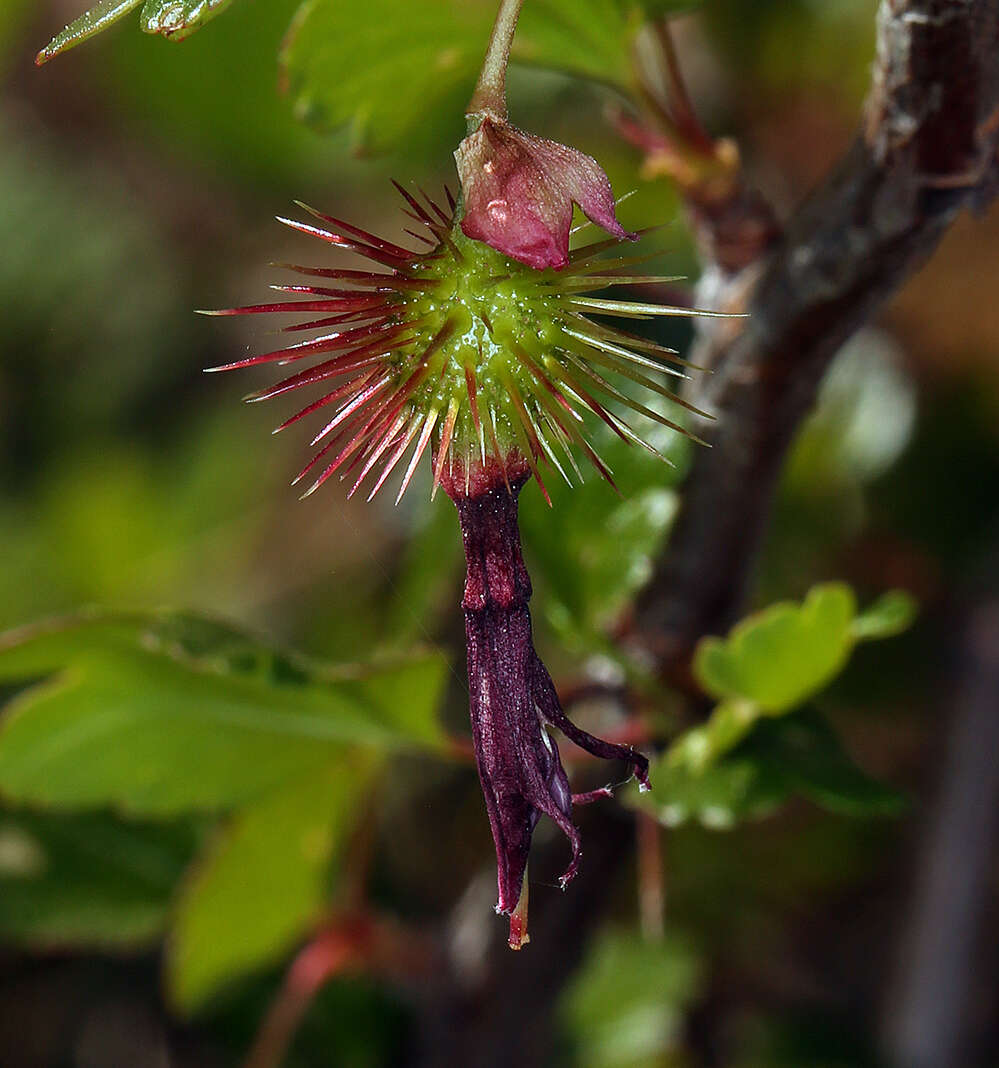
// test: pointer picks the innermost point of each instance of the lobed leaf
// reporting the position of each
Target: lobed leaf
(382, 69)
(587, 38)
(779, 657)
(751, 755)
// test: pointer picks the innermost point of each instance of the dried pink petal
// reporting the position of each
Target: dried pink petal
(519, 190)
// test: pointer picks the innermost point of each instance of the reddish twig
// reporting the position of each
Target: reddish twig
(651, 876)
(334, 950)
(350, 942)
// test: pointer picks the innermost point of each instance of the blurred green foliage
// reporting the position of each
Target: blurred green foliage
(625, 1007)
(799, 754)
(61, 225)
(266, 880)
(397, 71)
(591, 572)
(819, 47)
(87, 878)
(775, 660)
(216, 99)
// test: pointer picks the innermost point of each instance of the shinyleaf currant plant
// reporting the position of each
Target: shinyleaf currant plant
(479, 348)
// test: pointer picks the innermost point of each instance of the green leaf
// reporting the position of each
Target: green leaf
(177, 19)
(87, 879)
(781, 656)
(91, 22)
(161, 715)
(265, 882)
(796, 754)
(891, 614)
(588, 38)
(775, 660)
(174, 19)
(385, 69)
(624, 1007)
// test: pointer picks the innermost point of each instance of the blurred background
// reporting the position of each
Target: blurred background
(138, 181)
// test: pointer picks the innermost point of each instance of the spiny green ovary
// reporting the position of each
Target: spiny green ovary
(483, 316)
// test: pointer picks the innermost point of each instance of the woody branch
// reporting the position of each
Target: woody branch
(926, 150)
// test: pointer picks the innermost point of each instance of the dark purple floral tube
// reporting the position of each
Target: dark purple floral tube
(512, 700)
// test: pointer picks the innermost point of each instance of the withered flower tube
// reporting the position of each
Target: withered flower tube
(512, 701)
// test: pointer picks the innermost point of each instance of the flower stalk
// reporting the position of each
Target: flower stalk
(489, 98)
